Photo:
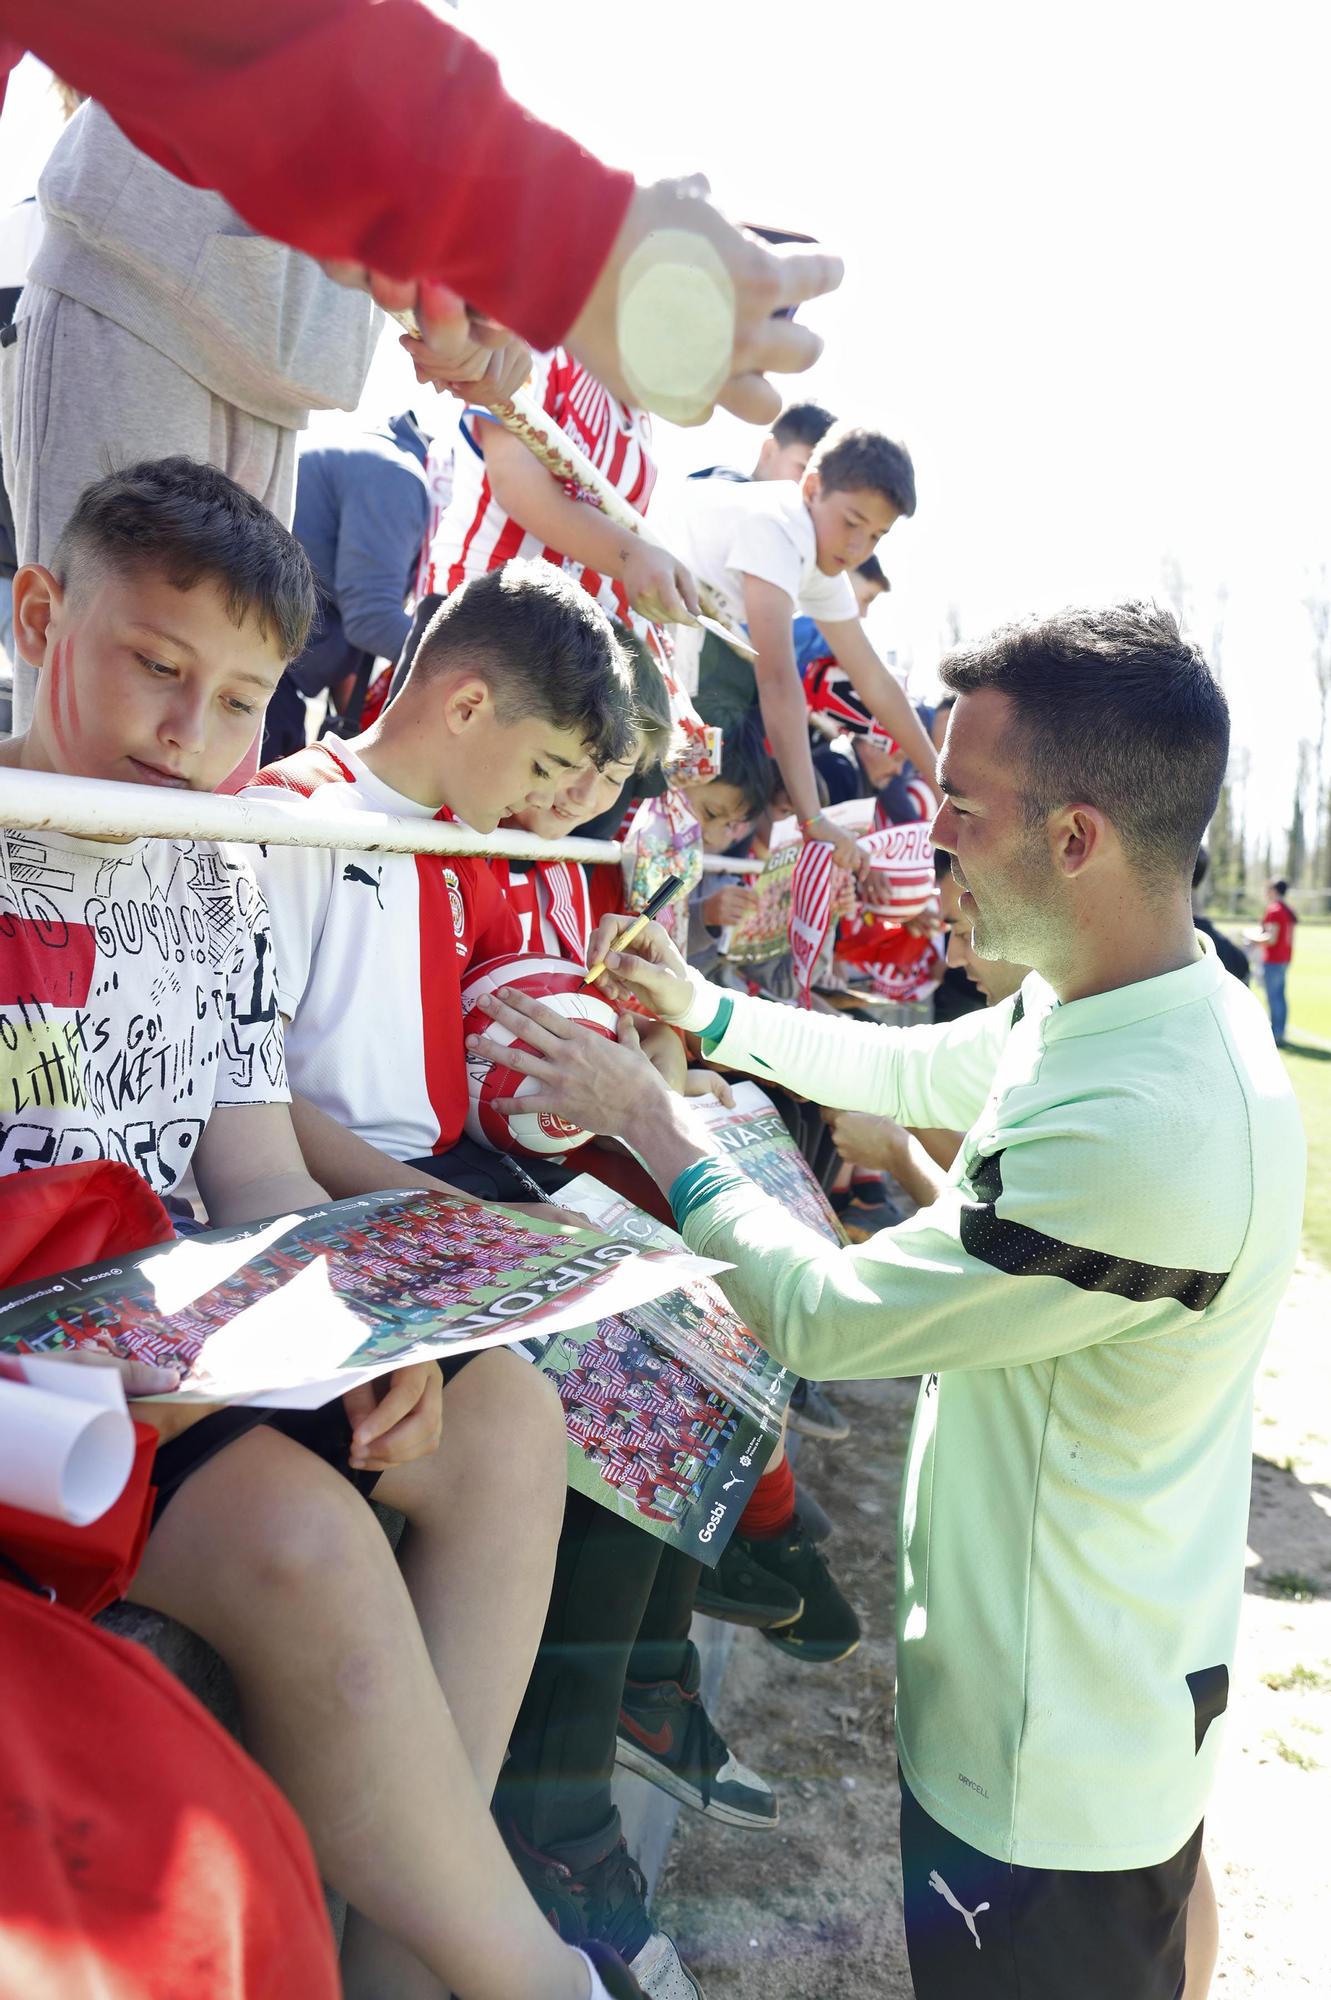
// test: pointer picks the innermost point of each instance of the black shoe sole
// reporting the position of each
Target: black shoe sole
(810, 1652)
(739, 1614)
(630, 1756)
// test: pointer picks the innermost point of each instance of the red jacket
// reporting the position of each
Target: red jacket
(363, 129)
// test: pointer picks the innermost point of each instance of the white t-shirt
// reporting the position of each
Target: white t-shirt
(136, 995)
(372, 950)
(727, 529)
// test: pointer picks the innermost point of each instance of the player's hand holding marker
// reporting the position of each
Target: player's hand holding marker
(587, 1081)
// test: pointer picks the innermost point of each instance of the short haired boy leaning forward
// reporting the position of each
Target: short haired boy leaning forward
(172, 606)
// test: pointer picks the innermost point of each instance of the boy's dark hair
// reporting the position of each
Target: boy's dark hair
(873, 572)
(1281, 886)
(803, 423)
(653, 723)
(543, 647)
(192, 524)
(1112, 709)
(747, 765)
(851, 460)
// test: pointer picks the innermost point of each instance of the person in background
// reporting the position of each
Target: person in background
(1276, 937)
(786, 450)
(362, 509)
(1232, 956)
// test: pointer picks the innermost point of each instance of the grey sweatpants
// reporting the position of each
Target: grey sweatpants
(80, 397)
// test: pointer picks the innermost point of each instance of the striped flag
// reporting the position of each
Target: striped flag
(810, 911)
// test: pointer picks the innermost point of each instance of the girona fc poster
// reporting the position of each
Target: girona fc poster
(293, 1312)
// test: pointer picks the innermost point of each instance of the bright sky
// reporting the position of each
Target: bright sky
(1088, 283)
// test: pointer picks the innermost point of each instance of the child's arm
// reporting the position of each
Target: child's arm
(248, 1165)
(769, 613)
(349, 1165)
(887, 700)
(657, 585)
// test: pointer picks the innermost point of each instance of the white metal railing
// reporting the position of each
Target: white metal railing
(98, 809)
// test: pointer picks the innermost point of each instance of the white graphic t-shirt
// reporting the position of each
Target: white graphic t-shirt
(136, 994)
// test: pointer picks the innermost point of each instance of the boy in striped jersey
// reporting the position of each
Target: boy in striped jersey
(505, 503)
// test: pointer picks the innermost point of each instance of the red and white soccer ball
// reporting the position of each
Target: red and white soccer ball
(557, 985)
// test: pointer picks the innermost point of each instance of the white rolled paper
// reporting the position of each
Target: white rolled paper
(65, 1455)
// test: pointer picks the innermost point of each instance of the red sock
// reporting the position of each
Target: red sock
(772, 1507)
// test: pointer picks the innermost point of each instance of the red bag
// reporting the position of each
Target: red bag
(141, 1852)
(57, 1218)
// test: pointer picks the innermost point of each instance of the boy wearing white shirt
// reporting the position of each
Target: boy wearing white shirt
(771, 548)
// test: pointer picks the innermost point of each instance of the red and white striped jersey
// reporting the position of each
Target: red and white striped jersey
(475, 534)
(371, 953)
(549, 900)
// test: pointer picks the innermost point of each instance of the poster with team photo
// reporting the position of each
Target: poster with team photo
(754, 1138)
(292, 1312)
(652, 1441)
(674, 1408)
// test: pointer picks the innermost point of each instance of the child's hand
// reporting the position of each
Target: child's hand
(658, 586)
(706, 1083)
(846, 850)
(727, 906)
(396, 1418)
(865, 1139)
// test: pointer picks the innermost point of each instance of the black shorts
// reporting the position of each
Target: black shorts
(326, 1432)
(980, 1929)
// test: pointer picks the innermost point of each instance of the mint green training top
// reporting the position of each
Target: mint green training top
(1087, 1301)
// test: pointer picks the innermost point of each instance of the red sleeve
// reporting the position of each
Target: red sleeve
(605, 890)
(496, 930)
(364, 129)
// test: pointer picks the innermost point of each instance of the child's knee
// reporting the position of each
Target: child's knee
(501, 1387)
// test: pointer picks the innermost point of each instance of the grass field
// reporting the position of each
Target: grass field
(1308, 1058)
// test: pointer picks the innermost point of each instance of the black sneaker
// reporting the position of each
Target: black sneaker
(740, 1591)
(814, 1414)
(827, 1628)
(667, 1737)
(605, 1900)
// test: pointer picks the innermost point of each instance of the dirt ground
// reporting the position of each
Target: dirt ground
(810, 1912)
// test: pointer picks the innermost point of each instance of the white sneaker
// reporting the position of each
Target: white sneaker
(662, 1973)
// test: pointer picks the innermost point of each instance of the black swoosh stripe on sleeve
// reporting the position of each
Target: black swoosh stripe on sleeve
(1022, 1252)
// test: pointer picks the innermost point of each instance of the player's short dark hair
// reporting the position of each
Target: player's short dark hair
(746, 764)
(1113, 709)
(873, 572)
(803, 423)
(1280, 885)
(543, 647)
(191, 524)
